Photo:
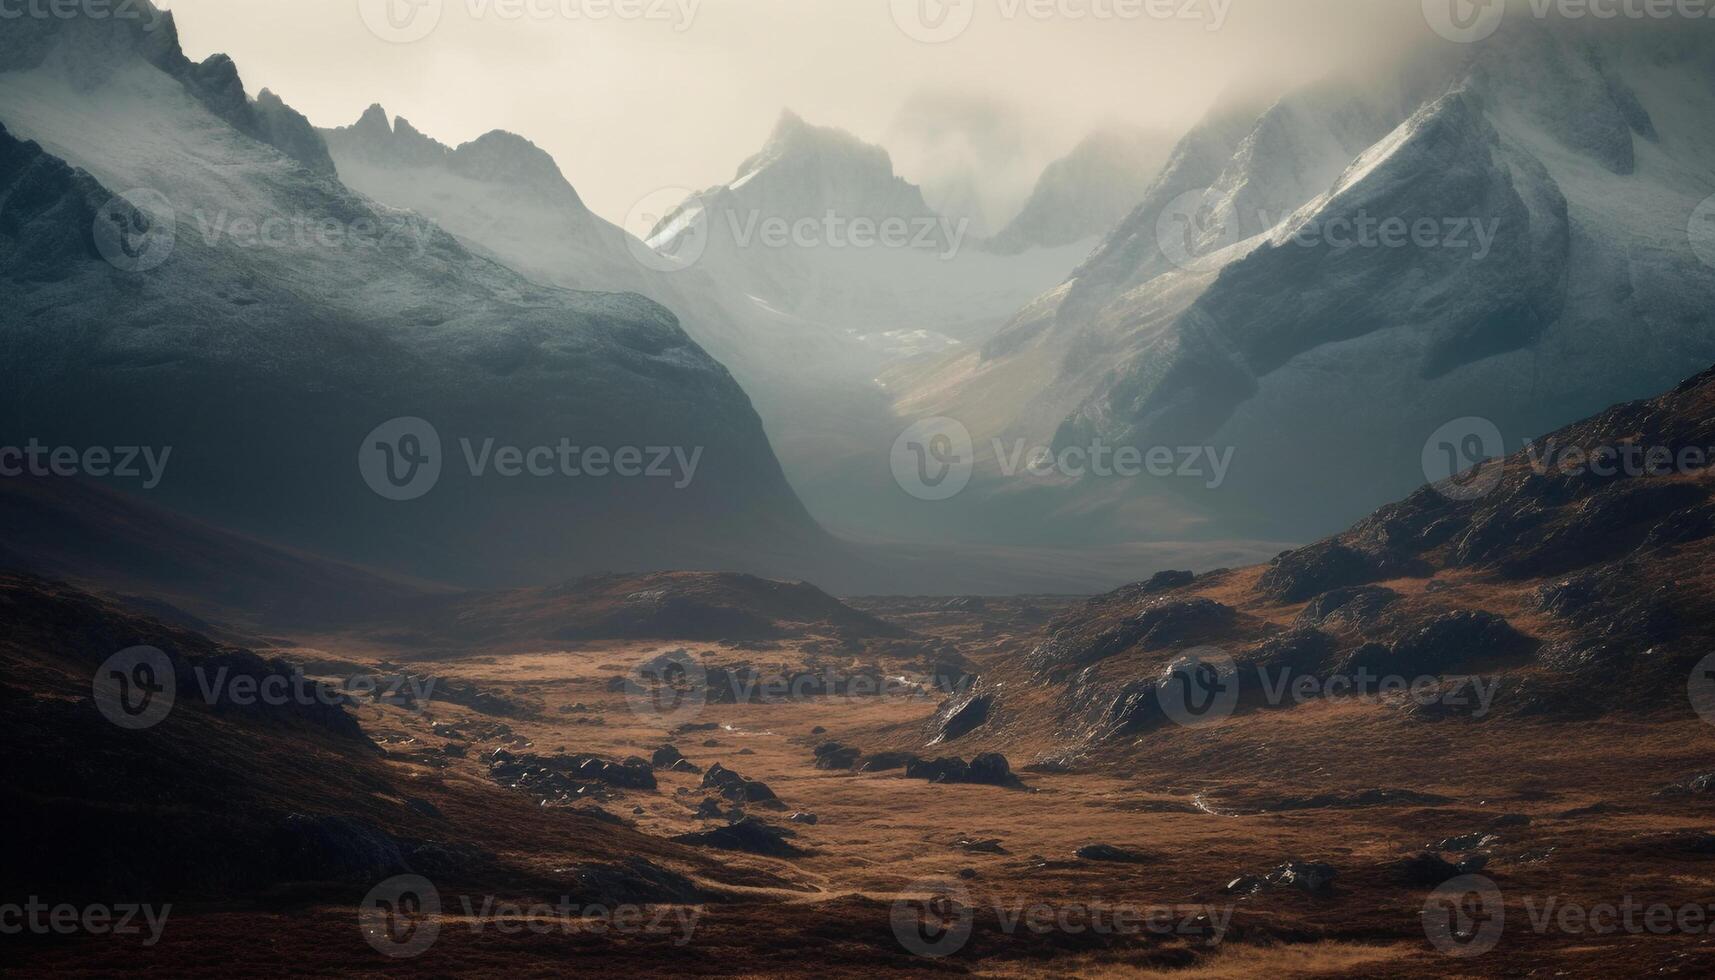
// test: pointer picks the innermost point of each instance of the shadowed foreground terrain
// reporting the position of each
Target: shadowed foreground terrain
(1461, 738)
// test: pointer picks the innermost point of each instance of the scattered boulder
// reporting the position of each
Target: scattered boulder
(1356, 605)
(1456, 641)
(946, 770)
(964, 715)
(1306, 876)
(1312, 877)
(833, 755)
(750, 835)
(1427, 869)
(1466, 842)
(980, 845)
(1699, 785)
(665, 757)
(1295, 576)
(1167, 622)
(333, 848)
(989, 769)
(887, 761)
(1299, 651)
(737, 788)
(802, 817)
(563, 777)
(1111, 854)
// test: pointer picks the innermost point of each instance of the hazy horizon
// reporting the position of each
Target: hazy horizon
(631, 106)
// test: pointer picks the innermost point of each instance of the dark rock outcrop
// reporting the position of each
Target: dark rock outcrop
(750, 835)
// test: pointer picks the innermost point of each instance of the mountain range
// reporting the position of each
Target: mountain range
(1547, 178)
(198, 279)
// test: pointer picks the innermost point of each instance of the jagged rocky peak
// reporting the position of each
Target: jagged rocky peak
(793, 137)
(500, 155)
(496, 156)
(1085, 193)
(287, 129)
(91, 48)
(379, 141)
(820, 166)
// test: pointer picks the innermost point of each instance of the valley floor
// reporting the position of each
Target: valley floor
(1575, 811)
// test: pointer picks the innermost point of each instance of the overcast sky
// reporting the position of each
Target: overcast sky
(629, 106)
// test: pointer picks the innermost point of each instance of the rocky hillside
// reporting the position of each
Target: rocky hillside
(1562, 583)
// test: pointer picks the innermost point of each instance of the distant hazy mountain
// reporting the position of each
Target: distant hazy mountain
(819, 225)
(1082, 195)
(499, 190)
(1548, 178)
(261, 319)
(764, 272)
